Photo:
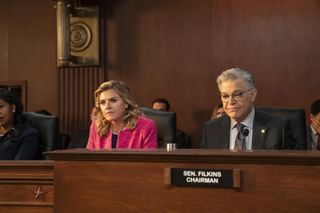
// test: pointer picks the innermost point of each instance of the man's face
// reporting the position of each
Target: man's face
(159, 106)
(237, 99)
(315, 122)
(220, 112)
(94, 114)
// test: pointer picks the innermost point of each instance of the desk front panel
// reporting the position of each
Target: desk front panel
(26, 186)
(95, 186)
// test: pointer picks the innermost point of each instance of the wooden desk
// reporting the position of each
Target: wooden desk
(133, 181)
(26, 186)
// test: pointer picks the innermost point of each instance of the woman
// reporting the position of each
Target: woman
(120, 123)
(17, 141)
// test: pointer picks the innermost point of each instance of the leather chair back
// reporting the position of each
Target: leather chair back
(297, 122)
(166, 125)
(48, 127)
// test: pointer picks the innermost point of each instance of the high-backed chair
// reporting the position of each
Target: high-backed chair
(166, 125)
(48, 127)
(297, 122)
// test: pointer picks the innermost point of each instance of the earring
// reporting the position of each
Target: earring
(14, 111)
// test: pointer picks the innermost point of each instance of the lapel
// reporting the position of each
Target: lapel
(223, 135)
(309, 137)
(260, 131)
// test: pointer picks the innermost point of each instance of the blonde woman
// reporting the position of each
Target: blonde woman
(120, 123)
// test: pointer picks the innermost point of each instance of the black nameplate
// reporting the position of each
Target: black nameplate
(217, 178)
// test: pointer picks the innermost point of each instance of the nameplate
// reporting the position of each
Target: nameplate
(215, 178)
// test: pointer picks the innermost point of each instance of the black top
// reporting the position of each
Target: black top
(79, 140)
(114, 140)
(25, 146)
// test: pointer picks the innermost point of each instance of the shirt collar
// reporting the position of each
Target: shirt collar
(314, 132)
(248, 121)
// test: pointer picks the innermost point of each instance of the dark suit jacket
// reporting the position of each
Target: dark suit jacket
(269, 132)
(182, 139)
(26, 146)
(309, 138)
(79, 140)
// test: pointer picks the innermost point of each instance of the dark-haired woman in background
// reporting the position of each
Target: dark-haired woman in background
(17, 141)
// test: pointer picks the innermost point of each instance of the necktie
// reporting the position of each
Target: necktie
(240, 139)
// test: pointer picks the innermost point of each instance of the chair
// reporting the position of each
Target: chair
(48, 127)
(166, 125)
(297, 122)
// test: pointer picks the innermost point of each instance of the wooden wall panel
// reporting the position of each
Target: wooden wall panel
(172, 49)
(136, 181)
(28, 50)
(176, 49)
(32, 51)
(4, 16)
(77, 86)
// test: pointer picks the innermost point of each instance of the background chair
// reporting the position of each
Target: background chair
(166, 125)
(297, 122)
(48, 127)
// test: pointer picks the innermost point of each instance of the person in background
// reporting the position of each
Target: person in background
(162, 104)
(120, 123)
(313, 131)
(43, 112)
(80, 139)
(217, 111)
(244, 127)
(18, 141)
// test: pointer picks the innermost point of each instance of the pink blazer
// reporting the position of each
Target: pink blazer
(143, 136)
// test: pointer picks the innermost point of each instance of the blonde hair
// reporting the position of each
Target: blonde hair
(132, 112)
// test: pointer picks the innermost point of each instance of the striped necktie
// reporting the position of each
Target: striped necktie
(239, 143)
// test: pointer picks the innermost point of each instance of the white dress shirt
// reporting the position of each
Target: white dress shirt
(314, 138)
(248, 122)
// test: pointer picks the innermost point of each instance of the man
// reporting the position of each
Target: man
(162, 104)
(244, 127)
(314, 129)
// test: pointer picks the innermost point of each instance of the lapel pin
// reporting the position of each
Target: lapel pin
(263, 131)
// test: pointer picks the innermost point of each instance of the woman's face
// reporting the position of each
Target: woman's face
(112, 106)
(6, 114)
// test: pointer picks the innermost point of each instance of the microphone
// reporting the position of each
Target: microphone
(245, 132)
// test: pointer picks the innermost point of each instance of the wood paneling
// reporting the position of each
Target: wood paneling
(176, 49)
(4, 16)
(77, 86)
(26, 186)
(117, 181)
(173, 49)
(28, 50)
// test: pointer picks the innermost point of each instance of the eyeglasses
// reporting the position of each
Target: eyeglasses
(237, 96)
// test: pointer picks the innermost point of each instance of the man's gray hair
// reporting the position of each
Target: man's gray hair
(234, 74)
